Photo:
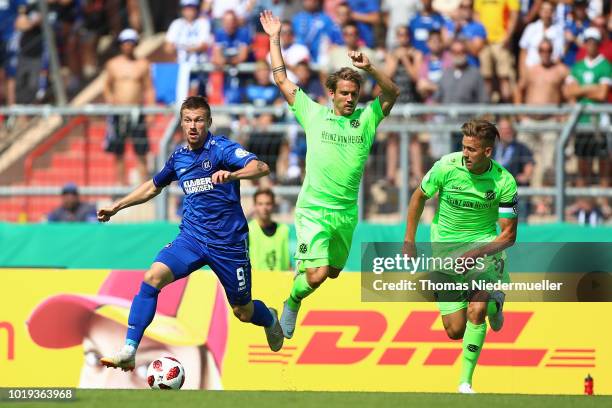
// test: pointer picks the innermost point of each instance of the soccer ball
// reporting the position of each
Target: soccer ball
(166, 373)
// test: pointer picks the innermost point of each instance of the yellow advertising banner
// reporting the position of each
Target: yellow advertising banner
(55, 324)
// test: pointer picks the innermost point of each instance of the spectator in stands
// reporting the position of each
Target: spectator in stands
(574, 29)
(432, 66)
(366, 14)
(460, 84)
(403, 65)
(128, 82)
(500, 18)
(464, 26)
(338, 58)
(269, 146)
(605, 30)
(312, 27)
(425, 21)
(63, 15)
(309, 82)
(533, 35)
(91, 27)
(397, 13)
(589, 83)
(517, 159)
(218, 8)
(72, 208)
(8, 50)
(541, 84)
(343, 16)
(268, 239)
(585, 211)
(232, 47)
(188, 39)
(293, 53)
(31, 75)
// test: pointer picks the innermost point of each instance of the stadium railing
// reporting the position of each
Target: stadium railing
(410, 120)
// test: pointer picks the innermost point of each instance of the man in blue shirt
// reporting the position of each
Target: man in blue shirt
(366, 14)
(472, 32)
(423, 23)
(312, 27)
(213, 230)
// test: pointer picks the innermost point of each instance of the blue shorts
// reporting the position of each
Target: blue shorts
(230, 262)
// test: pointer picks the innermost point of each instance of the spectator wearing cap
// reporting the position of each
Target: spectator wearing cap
(189, 39)
(423, 23)
(574, 29)
(232, 47)
(533, 35)
(589, 83)
(463, 26)
(191, 325)
(72, 208)
(605, 46)
(128, 82)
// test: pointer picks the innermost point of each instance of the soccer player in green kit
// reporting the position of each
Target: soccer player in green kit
(475, 192)
(339, 141)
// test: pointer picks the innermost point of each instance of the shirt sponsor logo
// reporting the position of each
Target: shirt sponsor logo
(333, 138)
(198, 185)
(241, 153)
(469, 204)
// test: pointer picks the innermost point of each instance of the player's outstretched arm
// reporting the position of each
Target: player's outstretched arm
(142, 194)
(253, 170)
(390, 91)
(272, 26)
(415, 210)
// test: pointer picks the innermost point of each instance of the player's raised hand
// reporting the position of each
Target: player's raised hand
(105, 214)
(221, 176)
(270, 23)
(359, 60)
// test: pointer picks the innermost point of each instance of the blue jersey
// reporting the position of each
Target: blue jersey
(311, 29)
(420, 26)
(211, 212)
(366, 31)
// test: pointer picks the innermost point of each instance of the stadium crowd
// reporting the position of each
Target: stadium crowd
(437, 51)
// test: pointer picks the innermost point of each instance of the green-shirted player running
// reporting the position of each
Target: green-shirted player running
(339, 141)
(475, 193)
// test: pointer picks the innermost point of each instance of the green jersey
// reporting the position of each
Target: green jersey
(269, 253)
(591, 72)
(469, 204)
(337, 149)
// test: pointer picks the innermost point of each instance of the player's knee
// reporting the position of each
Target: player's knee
(455, 333)
(156, 278)
(241, 313)
(476, 311)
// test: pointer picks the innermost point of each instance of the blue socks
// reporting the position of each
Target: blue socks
(261, 315)
(142, 312)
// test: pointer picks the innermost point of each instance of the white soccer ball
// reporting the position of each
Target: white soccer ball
(166, 373)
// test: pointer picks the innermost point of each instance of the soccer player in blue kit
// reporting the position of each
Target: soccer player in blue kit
(213, 231)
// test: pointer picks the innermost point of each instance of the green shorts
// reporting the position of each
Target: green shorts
(453, 300)
(324, 236)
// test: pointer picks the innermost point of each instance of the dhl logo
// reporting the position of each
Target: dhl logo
(322, 347)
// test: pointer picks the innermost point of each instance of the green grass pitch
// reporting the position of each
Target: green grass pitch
(297, 399)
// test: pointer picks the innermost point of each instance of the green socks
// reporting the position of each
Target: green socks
(472, 344)
(299, 291)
